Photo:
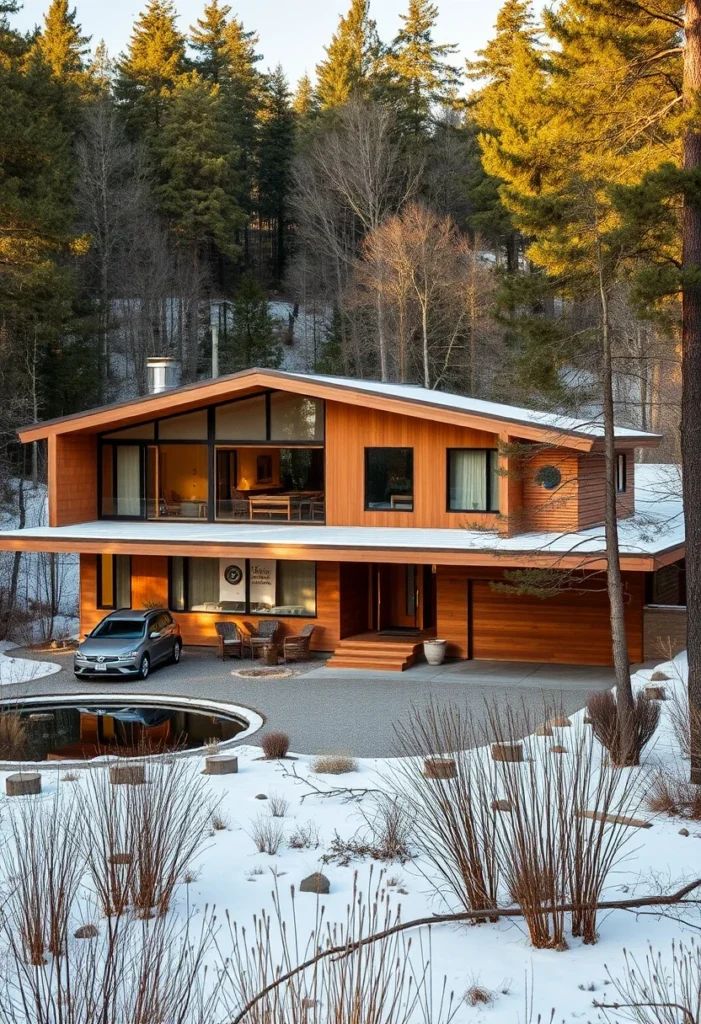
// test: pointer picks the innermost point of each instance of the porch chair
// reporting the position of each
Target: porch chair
(265, 633)
(296, 648)
(230, 640)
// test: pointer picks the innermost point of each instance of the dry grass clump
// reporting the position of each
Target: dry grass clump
(685, 719)
(624, 742)
(478, 995)
(334, 764)
(386, 835)
(663, 990)
(384, 982)
(220, 822)
(13, 736)
(267, 834)
(671, 793)
(304, 837)
(278, 805)
(275, 745)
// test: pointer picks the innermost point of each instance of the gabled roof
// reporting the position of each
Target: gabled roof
(404, 399)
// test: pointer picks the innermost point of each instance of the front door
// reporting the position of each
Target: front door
(397, 597)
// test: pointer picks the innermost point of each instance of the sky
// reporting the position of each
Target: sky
(292, 32)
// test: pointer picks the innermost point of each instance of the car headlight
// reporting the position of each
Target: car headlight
(129, 657)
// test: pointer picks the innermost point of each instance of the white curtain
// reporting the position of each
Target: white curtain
(468, 480)
(128, 480)
(203, 583)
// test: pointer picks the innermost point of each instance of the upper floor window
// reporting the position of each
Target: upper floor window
(621, 473)
(473, 480)
(389, 479)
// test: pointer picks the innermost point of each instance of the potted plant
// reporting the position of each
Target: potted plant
(434, 650)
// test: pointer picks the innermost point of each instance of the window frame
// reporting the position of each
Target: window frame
(621, 472)
(98, 596)
(491, 454)
(265, 615)
(366, 459)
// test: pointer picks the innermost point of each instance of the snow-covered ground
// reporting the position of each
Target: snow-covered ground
(232, 875)
(21, 670)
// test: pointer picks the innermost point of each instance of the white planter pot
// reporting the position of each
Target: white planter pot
(434, 650)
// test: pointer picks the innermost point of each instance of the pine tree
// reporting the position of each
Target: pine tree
(514, 25)
(304, 102)
(62, 45)
(276, 150)
(352, 58)
(253, 340)
(417, 66)
(208, 40)
(150, 69)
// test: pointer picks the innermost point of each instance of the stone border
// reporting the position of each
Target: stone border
(253, 720)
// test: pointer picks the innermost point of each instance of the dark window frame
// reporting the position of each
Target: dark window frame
(266, 615)
(113, 606)
(389, 448)
(491, 453)
(621, 472)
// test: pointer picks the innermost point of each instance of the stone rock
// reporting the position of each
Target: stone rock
(655, 693)
(544, 730)
(261, 796)
(86, 931)
(559, 722)
(439, 768)
(316, 883)
(558, 750)
(128, 774)
(508, 752)
(683, 831)
(501, 805)
(23, 784)
(659, 677)
(221, 764)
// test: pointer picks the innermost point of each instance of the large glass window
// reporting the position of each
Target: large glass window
(113, 581)
(190, 427)
(389, 479)
(473, 480)
(245, 420)
(121, 481)
(183, 481)
(263, 586)
(295, 417)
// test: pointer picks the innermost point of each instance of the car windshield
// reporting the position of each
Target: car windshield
(123, 629)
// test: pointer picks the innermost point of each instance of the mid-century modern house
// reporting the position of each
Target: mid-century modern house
(380, 513)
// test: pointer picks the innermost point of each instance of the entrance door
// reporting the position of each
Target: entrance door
(397, 597)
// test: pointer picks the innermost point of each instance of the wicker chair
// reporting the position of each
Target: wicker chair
(296, 648)
(230, 640)
(265, 633)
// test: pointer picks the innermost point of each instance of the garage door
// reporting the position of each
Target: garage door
(571, 628)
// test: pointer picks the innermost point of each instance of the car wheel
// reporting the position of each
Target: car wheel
(177, 651)
(145, 667)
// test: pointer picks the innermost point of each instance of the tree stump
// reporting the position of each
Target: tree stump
(659, 677)
(439, 768)
(655, 693)
(507, 752)
(127, 774)
(221, 764)
(544, 730)
(23, 784)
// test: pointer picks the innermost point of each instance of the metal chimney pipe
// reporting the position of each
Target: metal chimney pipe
(163, 373)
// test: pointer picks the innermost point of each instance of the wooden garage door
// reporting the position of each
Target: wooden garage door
(571, 628)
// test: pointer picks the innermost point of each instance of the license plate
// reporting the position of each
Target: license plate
(100, 668)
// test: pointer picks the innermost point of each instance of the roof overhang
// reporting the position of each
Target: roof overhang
(250, 382)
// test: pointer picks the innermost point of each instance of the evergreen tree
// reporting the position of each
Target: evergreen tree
(253, 340)
(352, 58)
(62, 45)
(514, 26)
(418, 68)
(276, 150)
(208, 40)
(304, 102)
(150, 69)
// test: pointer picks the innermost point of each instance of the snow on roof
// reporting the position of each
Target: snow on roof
(476, 406)
(657, 526)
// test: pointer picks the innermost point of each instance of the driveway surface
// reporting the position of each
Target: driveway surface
(342, 711)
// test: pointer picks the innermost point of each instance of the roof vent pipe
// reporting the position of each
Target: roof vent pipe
(163, 373)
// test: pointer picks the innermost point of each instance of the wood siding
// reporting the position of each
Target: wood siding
(571, 628)
(592, 495)
(355, 598)
(350, 430)
(72, 479)
(149, 581)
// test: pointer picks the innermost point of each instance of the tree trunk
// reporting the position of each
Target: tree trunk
(614, 578)
(424, 335)
(381, 337)
(691, 383)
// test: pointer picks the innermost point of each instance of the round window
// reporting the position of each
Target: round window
(548, 477)
(233, 574)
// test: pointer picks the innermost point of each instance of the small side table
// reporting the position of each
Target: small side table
(269, 654)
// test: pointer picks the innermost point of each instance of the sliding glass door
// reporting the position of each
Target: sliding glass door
(122, 481)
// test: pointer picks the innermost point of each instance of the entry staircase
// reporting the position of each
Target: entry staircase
(384, 654)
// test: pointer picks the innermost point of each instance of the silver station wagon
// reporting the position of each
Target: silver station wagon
(129, 643)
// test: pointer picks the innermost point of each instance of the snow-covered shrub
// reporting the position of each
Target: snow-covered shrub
(624, 739)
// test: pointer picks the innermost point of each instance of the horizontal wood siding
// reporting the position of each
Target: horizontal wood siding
(592, 492)
(72, 479)
(350, 430)
(572, 627)
(554, 510)
(150, 586)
